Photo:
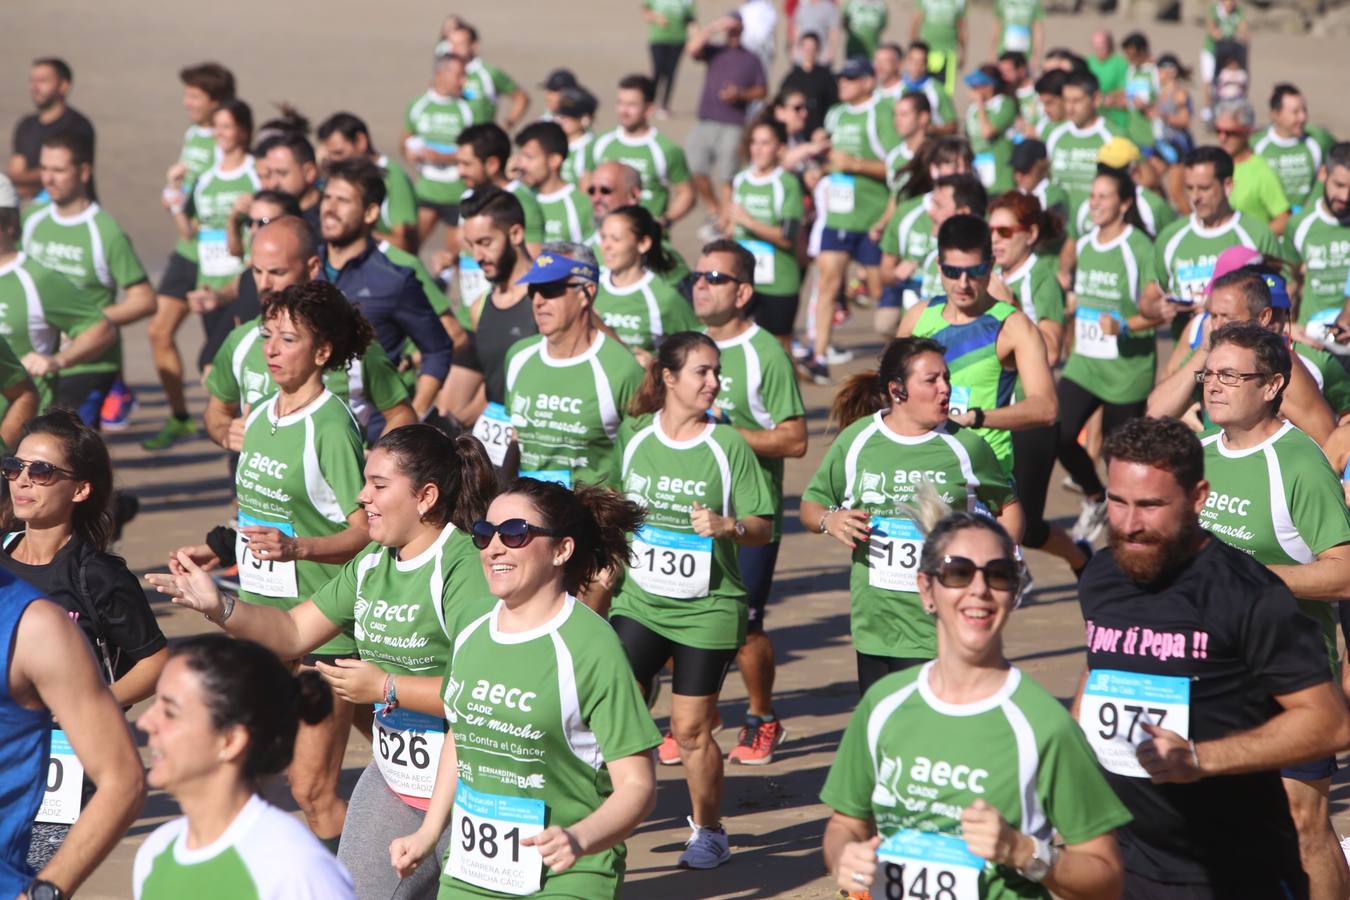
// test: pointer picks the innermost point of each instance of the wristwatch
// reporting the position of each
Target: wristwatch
(43, 890)
(1041, 862)
(740, 529)
(978, 414)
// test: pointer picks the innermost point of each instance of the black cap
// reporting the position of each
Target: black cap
(577, 103)
(857, 67)
(559, 80)
(1027, 154)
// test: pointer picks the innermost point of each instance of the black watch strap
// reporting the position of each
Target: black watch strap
(979, 417)
(43, 890)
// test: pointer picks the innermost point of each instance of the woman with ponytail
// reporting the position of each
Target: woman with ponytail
(398, 600)
(224, 718)
(541, 669)
(895, 439)
(635, 299)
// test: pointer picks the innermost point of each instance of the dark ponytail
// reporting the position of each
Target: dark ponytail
(87, 456)
(644, 225)
(459, 467)
(869, 392)
(1124, 186)
(245, 684)
(597, 519)
(650, 396)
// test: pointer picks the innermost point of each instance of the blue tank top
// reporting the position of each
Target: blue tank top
(25, 744)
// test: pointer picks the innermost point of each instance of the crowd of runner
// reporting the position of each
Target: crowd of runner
(506, 463)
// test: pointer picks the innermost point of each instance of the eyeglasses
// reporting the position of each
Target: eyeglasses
(979, 270)
(552, 290)
(1231, 379)
(714, 278)
(258, 223)
(795, 107)
(514, 533)
(601, 189)
(1007, 231)
(1231, 132)
(40, 472)
(958, 572)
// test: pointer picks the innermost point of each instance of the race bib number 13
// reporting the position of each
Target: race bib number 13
(1117, 704)
(893, 554)
(486, 848)
(921, 865)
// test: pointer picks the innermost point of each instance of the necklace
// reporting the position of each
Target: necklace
(274, 422)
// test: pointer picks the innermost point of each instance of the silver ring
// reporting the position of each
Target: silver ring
(859, 878)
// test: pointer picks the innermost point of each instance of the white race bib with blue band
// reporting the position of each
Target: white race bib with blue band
(213, 254)
(1117, 704)
(407, 747)
(486, 846)
(959, 401)
(893, 551)
(1017, 37)
(672, 564)
(65, 780)
(269, 577)
(763, 253)
(1089, 338)
(922, 864)
(839, 195)
(494, 431)
(472, 282)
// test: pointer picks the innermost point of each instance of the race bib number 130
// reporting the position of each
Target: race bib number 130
(921, 865)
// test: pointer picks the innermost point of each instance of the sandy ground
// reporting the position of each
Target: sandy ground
(371, 59)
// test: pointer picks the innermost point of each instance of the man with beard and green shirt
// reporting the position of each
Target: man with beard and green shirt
(541, 156)
(1318, 241)
(1294, 153)
(760, 397)
(568, 387)
(667, 188)
(1273, 495)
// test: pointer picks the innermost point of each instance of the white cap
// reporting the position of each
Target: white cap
(9, 199)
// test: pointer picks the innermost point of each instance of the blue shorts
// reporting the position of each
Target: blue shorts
(1315, 770)
(757, 565)
(860, 248)
(892, 297)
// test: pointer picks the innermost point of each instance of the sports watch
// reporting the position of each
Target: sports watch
(43, 890)
(1041, 862)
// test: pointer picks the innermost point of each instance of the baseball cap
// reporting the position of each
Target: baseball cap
(1027, 154)
(1118, 153)
(1279, 291)
(978, 79)
(548, 268)
(576, 103)
(856, 67)
(9, 198)
(559, 79)
(1231, 260)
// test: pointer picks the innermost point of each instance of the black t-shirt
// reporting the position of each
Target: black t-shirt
(498, 330)
(31, 132)
(121, 613)
(820, 89)
(1234, 630)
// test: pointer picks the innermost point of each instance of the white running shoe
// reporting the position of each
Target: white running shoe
(836, 357)
(1091, 521)
(705, 849)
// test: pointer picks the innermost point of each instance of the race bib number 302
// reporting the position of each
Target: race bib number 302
(486, 846)
(1090, 339)
(921, 865)
(1116, 705)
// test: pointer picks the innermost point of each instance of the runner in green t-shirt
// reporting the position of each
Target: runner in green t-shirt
(896, 437)
(953, 779)
(541, 674)
(1294, 154)
(918, 80)
(667, 191)
(1224, 21)
(399, 600)
(541, 156)
(641, 308)
(1317, 240)
(575, 113)
(213, 196)
(614, 185)
(485, 83)
(1020, 28)
(760, 398)
(941, 24)
(766, 214)
(568, 387)
(682, 596)
(344, 136)
(668, 23)
(989, 127)
(864, 21)
(1072, 146)
(1257, 189)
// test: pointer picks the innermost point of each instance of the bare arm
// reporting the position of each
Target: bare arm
(1013, 520)
(1314, 723)
(520, 102)
(633, 800)
(1325, 578)
(220, 422)
(911, 319)
(340, 547)
(397, 416)
(27, 180)
(23, 405)
(140, 680)
(406, 852)
(424, 393)
(681, 201)
(1173, 394)
(840, 831)
(1052, 333)
(786, 440)
(1039, 406)
(137, 303)
(1305, 406)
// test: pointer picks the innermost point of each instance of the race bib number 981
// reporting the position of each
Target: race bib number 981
(486, 846)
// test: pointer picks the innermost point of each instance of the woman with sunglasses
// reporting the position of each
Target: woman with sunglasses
(633, 298)
(397, 601)
(765, 217)
(225, 719)
(682, 596)
(1115, 301)
(1001, 765)
(58, 528)
(540, 667)
(895, 436)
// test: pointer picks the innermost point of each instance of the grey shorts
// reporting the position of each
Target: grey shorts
(714, 149)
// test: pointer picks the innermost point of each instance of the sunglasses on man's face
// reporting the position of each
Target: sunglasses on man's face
(1230, 132)
(979, 270)
(959, 572)
(40, 472)
(602, 189)
(714, 278)
(552, 290)
(513, 533)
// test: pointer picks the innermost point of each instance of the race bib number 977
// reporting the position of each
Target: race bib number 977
(1115, 707)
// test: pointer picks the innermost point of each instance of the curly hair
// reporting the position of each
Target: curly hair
(323, 309)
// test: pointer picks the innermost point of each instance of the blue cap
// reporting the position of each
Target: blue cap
(548, 268)
(856, 67)
(978, 79)
(1279, 292)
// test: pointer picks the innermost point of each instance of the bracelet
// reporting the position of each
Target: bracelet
(822, 529)
(978, 413)
(1195, 754)
(226, 610)
(390, 693)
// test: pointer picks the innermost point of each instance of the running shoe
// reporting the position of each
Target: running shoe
(668, 754)
(836, 357)
(1091, 522)
(815, 371)
(800, 351)
(758, 740)
(173, 431)
(841, 315)
(118, 405)
(707, 848)
(853, 895)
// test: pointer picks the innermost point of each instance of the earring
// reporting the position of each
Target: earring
(557, 562)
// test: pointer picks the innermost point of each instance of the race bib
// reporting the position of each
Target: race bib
(1139, 87)
(1089, 338)
(65, 778)
(407, 748)
(472, 282)
(1115, 706)
(443, 174)
(839, 193)
(986, 168)
(1192, 279)
(486, 848)
(213, 254)
(959, 403)
(494, 431)
(557, 476)
(270, 578)
(921, 864)
(893, 553)
(671, 563)
(1017, 37)
(764, 260)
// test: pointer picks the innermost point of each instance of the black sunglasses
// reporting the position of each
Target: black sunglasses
(40, 472)
(958, 572)
(979, 270)
(552, 290)
(514, 533)
(713, 278)
(599, 189)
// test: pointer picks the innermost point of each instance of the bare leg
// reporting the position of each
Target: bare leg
(315, 768)
(755, 661)
(832, 265)
(169, 315)
(691, 720)
(1323, 860)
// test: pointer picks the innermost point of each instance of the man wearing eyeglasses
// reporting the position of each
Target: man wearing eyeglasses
(1203, 676)
(1274, 496)
(991, 346)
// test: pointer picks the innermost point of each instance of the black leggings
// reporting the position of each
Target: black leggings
(1076, 406)
(872, 669)
(1033, 462)
(665, 60)
(696, 672)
